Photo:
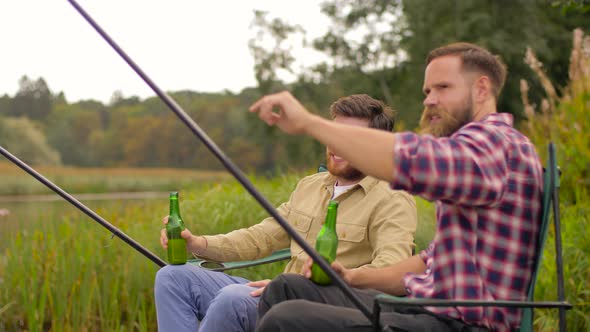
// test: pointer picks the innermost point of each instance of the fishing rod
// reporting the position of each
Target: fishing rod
(82, 207)
(229, 165)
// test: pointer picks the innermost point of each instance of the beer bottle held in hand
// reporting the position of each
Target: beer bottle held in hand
(175, 225)
(326, 245)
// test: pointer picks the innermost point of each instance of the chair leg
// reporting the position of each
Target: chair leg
(557, 228)
(376, 316)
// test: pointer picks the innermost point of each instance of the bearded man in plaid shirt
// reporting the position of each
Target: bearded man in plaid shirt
(486, 179)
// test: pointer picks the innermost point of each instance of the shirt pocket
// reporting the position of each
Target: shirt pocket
(351, 232)
(301, 223)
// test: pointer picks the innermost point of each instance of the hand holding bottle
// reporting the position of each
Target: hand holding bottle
(176, 243)
(345, 273)
(326, 245)
(194, 243)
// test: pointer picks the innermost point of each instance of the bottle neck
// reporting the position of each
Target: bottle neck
(331, 217)
(174, 209)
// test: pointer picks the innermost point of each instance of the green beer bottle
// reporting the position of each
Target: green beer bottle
(175, 225)
(326, 245)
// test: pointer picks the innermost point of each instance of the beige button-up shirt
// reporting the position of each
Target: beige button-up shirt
(375, 226)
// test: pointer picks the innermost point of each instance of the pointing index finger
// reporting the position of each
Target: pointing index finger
(266, 103)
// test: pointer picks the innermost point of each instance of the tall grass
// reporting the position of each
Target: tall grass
(60, 271)
(64, 273)
(564, 120)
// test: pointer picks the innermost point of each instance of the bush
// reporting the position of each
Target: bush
(23, 139)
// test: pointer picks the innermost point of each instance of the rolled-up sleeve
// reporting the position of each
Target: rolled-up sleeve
(427, 253)
(255, 242)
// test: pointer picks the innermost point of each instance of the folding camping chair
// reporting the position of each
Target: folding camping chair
(550, 201)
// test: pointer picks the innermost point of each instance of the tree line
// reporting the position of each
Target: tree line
(375, 47)
(134, 132)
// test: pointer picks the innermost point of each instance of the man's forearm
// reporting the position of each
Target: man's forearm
(387, 279)
(369, 150)
(197, 245)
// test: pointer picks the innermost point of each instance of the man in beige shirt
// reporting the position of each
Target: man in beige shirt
(375, 228)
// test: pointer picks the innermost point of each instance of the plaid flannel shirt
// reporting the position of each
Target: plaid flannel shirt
(487, 182)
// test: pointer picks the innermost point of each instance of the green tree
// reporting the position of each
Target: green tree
(567, 6)
(365, 39)
(272, 54)
(69, 130)
(5, 102)
(271, 49)
(33, 99)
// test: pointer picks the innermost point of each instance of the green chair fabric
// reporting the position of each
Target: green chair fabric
(550, 202)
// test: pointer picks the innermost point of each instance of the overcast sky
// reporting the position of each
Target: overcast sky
(182, 44)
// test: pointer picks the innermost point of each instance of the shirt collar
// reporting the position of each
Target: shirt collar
(505, 118)
(367, 183)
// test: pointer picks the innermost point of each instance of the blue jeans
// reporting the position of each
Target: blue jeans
(186, 294)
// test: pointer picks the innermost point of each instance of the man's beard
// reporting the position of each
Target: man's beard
(447, 124)
(348, 173)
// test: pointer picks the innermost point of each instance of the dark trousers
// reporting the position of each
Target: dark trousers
(293, 303)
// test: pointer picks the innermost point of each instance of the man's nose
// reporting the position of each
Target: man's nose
(430, 100)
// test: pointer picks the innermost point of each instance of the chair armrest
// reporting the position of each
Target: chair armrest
(276, 256)
(414, 302)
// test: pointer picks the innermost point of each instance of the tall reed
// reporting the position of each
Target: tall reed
(563, 118)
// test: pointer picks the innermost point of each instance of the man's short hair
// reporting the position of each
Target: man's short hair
(475, 58)
(362, 106)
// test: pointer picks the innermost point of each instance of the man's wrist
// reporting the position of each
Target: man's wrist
(311, 124)
(204, 243)
(353, 277)
(199, 245)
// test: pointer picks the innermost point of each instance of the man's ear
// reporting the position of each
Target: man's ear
(482, 88)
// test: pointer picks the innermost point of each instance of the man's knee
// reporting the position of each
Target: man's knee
(164, 275)
(169, 273)
(283, 316)
(175, 276)
(279, 290)
(283, 283)
(235, 295)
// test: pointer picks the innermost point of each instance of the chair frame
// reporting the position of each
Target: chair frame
(277, 256)
(550, 201)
